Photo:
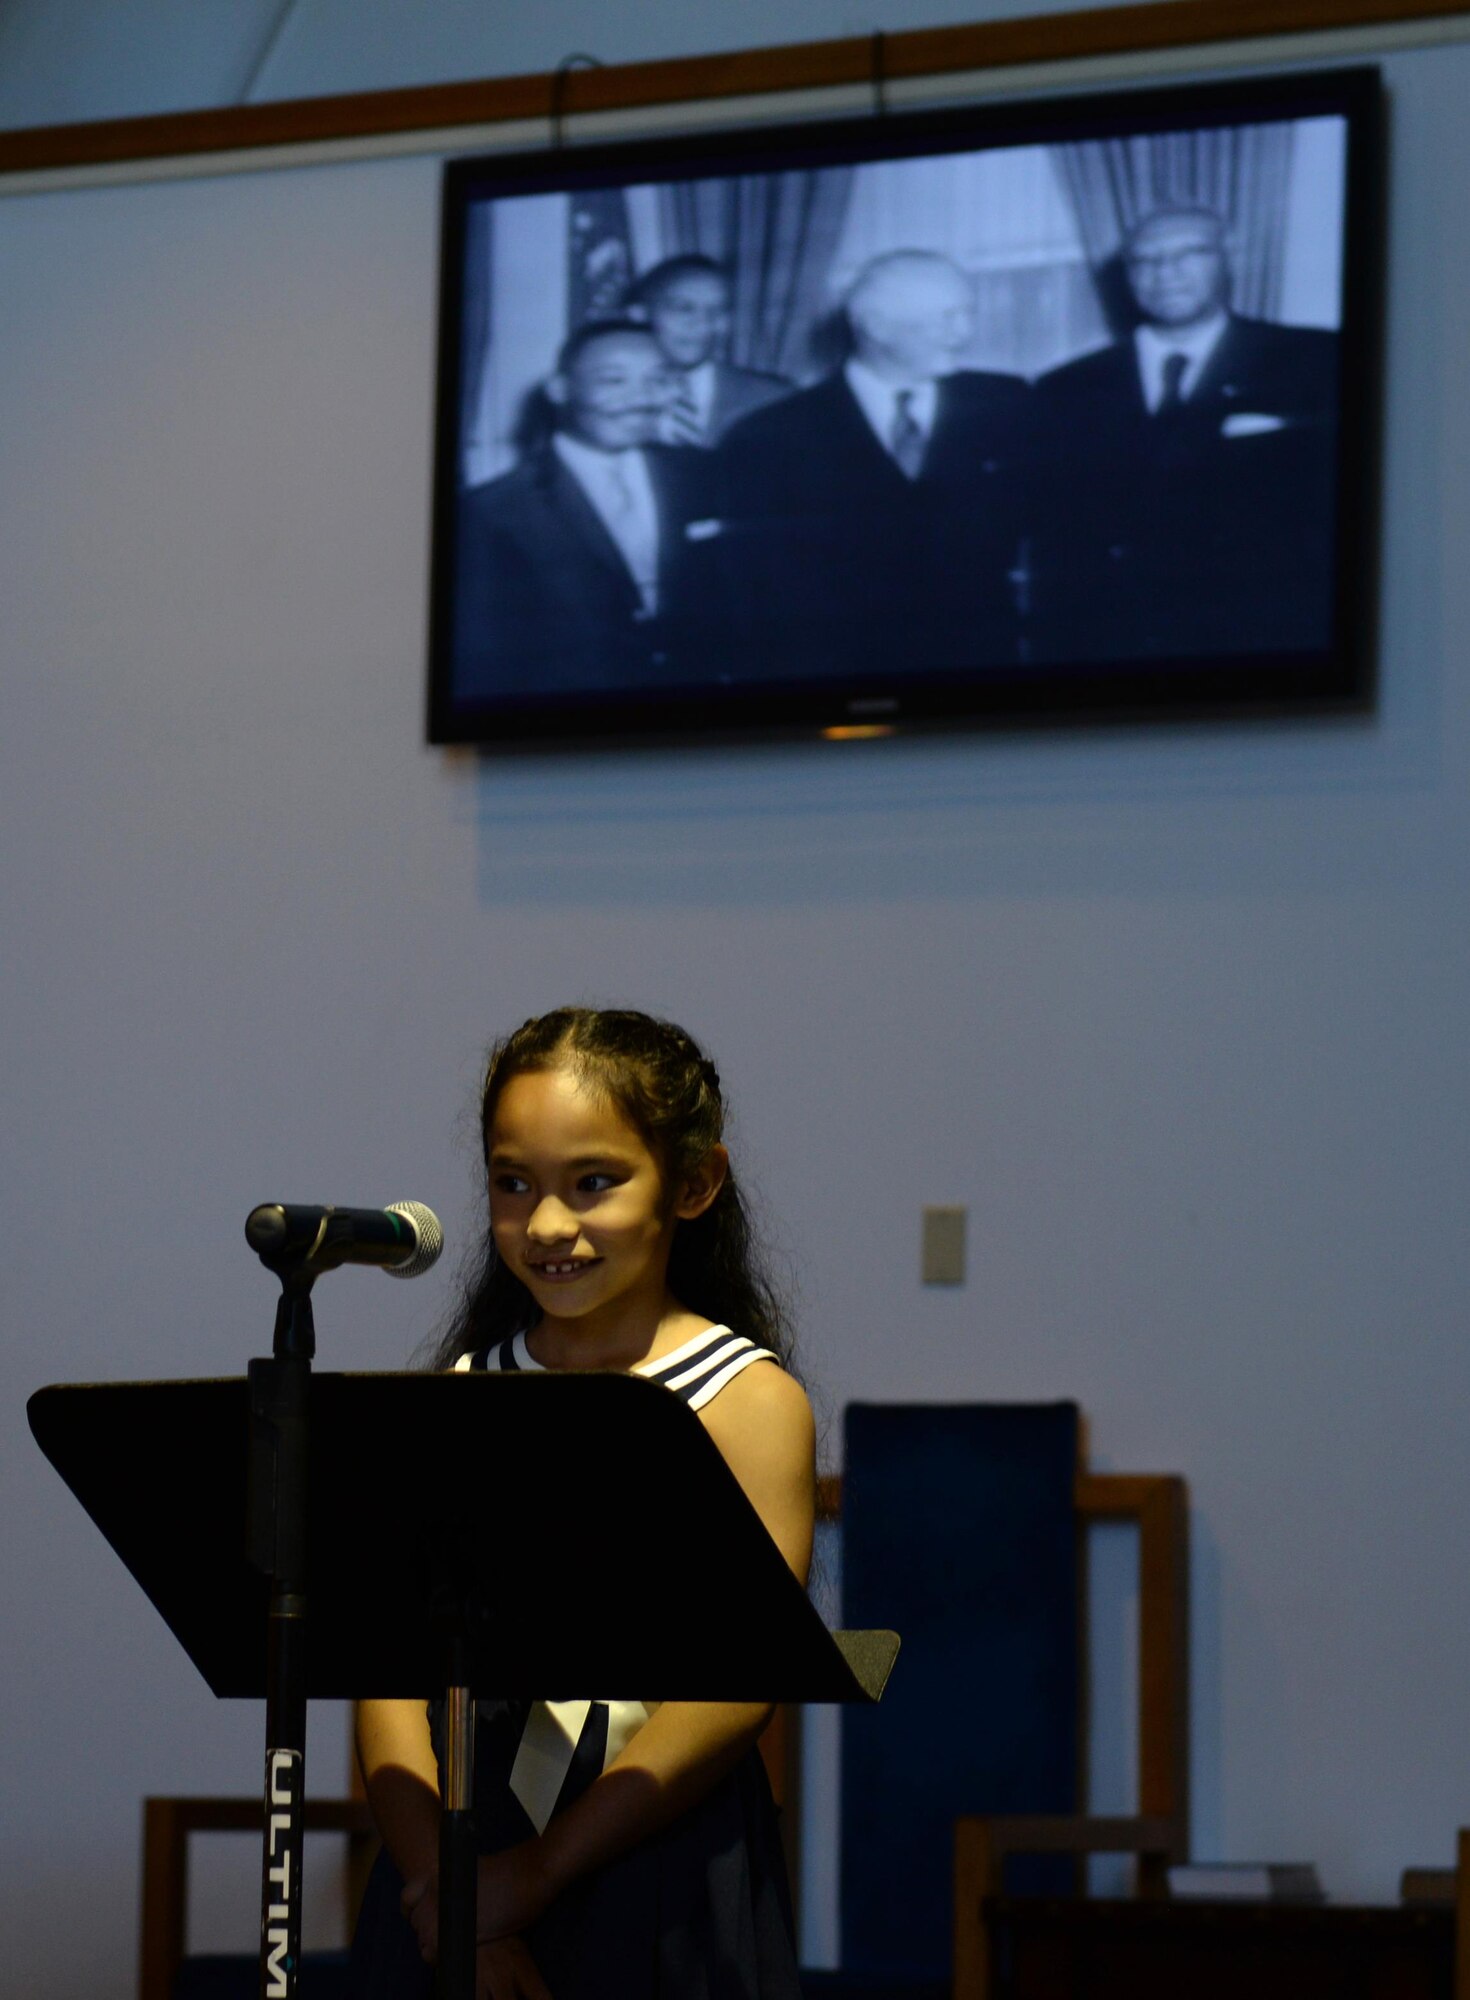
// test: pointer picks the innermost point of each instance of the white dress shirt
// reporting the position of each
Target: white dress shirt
(618, 485)
(686, 420)
(700, 385)
(1154, 344)
(878, 401)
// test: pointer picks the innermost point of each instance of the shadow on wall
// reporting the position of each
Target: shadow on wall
(1236, 809)
(1331, 805)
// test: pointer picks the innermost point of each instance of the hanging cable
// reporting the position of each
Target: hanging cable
(266, 50)
(880, 73)
(560, 78)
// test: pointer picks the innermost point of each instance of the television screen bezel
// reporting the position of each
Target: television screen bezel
(1340, 680)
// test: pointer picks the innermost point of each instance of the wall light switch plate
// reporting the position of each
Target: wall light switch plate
(943, 1258)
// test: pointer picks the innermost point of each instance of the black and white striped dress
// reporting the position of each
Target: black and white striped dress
(561, 1746)
(696, 1371)
(700, 1911)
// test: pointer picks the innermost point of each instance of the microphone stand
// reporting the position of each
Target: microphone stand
(279, 1389)
(128, 1450)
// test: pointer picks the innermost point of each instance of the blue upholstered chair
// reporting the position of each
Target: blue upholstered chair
(963, 1529)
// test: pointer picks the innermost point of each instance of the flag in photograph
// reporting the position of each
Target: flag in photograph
(600, 254)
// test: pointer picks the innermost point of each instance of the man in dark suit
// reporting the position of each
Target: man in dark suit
(577, 570)
(874, 520)
(686, 301)
(1189, 497)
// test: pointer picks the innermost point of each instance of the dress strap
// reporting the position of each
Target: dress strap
(697, 1370)
(509, 1357)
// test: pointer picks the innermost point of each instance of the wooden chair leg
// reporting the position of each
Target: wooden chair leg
(165, 1889)
(974, 1881)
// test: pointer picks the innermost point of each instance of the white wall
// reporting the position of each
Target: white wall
(62, 60)
(1180, 1015)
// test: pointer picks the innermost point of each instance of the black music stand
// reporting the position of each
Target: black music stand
(466, 1532)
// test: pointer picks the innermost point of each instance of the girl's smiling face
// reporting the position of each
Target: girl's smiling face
(578, 1207)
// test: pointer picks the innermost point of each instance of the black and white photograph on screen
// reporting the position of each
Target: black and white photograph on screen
(1069, 402)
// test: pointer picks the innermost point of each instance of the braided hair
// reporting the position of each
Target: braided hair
(661, 1081)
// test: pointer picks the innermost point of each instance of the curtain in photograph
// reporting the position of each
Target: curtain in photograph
(1241, 173)
(777, 233)
(1001, 216)
(475, 343)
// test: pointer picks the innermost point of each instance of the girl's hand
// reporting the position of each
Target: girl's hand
(420, 1904)
(505, 1970)
(514, 1889)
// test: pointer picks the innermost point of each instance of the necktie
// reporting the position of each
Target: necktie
(906, 439)
(1173, 390)
(681, 419)
(635, 534)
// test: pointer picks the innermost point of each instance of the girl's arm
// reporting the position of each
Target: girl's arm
(402, 1782)
(763, 1426)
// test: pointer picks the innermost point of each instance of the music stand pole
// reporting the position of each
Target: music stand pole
(458, 1852)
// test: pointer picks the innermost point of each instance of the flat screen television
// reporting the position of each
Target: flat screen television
(1030, 412)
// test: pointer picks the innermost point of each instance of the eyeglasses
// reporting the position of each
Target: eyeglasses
(1162, 260)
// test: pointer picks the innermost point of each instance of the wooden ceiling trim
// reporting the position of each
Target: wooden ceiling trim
(920, 52)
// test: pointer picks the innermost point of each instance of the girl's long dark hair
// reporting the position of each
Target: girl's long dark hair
(662, 1082)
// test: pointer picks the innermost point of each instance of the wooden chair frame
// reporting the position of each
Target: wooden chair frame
(167, 1825)
(169, 1822)
(1158, 1833)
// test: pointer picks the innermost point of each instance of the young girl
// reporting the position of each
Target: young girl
(628, 1849)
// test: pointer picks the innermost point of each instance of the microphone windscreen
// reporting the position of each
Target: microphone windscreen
(430, 1235)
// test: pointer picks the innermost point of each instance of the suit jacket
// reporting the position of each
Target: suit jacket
(738, 392)
(544, 600)
(839, 563)
(1205, 530)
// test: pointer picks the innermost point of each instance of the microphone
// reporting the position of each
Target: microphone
(403, 1239)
